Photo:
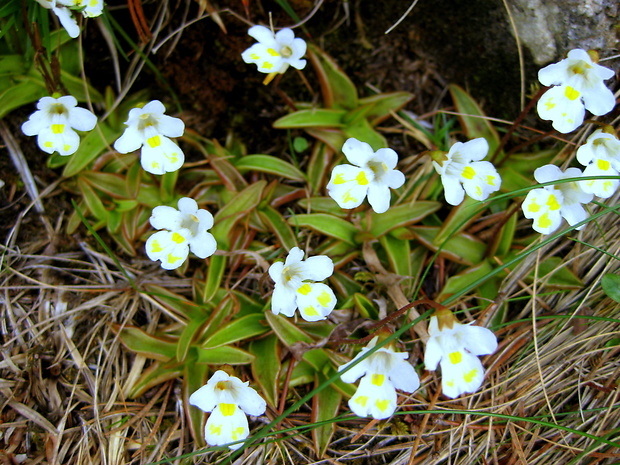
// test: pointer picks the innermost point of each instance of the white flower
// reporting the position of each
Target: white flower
(227, 397)
(149, 128)
(88, 8)
(383, 372)
(373, 175)
(580, 84)
(185, 230)
(54, 123)
(456, 347)
(292, 290)
(64, 16)
(601, 157)
(547, 205)
(274, 53)
(462, 171)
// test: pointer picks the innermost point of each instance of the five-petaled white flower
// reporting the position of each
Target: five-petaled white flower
(579, 82)
(54, 123)
(185, 230)
(456, 347)
(601, 157)
(382, 373)
(373, 175)
(149, 128)
(292, 289)
(547, 205)
(227, 398)
(64, 16)
(275, 52)
(462, 171)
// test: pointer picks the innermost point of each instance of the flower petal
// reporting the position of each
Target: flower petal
(478, 340)
(453, 190)
(129, 141)
(227, 423)
(375, 396)
(82, 119)
(357, 152)
(318, 268)
(315, 301)
(404, 377)
(283, 300)
(465, 376)
(348, 186)
(379, 197)
(187, 205)
(203, 245)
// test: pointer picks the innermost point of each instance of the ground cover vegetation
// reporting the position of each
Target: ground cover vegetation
(208, 210)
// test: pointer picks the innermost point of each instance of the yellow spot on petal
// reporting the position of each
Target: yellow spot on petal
(347, 197)
(173, 157)
(362, 400)
(66, 147)
(552, 203)
(215, 429)
(227, 409)
(172, 259)
(339, 179)
(469, 376)
(311, 311)
(305, 289)
(93, 3)
(544, 221)
(237, 432)
(254, 56)
(382, 404)
(478, 191)
(455, 357)
(533, 207)
(176, 237)
(272, 52)
(156, 247)
(377, 379)
(154, 141)
(361, 179)
(571, 93)
(450, 383)
(468, 172)
(324, 298)
(155, 165)
(491, 180)
(267, 65)
(48, 144)
(549, 105)
(607, 186)
(58, 128)
(603, 164)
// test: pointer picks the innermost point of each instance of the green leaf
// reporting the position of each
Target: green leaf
(188, 336)
(398, 252)
(238, 207)
(337, 89)
(315, 118)
(93, 202)
(317, 166)
(23, 92)
(382, 104)
(237, 330)
(270, 165)
(266, 366)
(462, 248)
(278, 225)
(182, 307)
(363, 131)
(455, 283)
(459, 219)
(138, 341)
(473, 119)
(333, 138)
(327, 224)
(400, 215)
(155, 374)
(217, 267)
(611, 285)
(325, 406)
(91, 146)
(223, 355)
(286, 331)
(365, 307)
(113, 185)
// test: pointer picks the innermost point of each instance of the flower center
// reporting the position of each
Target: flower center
(191, 223)
(146, 120)
(58, 109)
(378, 169)
(222, 385)
(286, 51)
